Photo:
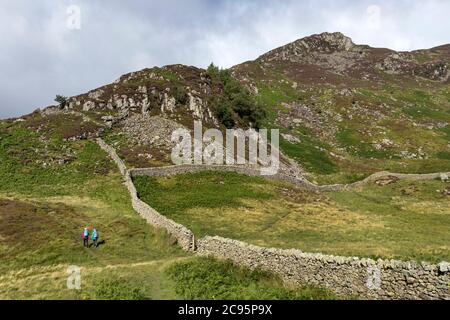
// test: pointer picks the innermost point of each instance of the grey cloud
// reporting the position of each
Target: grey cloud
(40, 57)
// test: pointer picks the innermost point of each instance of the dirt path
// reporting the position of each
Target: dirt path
(18, 277)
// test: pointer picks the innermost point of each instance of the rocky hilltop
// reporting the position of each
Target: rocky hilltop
(344, 110)
(330, 54)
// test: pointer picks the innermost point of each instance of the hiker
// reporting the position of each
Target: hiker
(94, 237)
(85, 236)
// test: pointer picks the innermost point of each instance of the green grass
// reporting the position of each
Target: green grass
(272, 96)
(402, 106)
(415, 96)
(116, 289)
(206, 278)
(220, 190)
(312, 158)
(419, 112)
(310, 153)
(425, 105)
(403, 221)
(60, 199)
(43, 209)
(356, 145)
(443, 155)
(446, 131)
(167, 74)
(30, 166)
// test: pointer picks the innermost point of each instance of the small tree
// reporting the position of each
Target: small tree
(62, 101)
(213, 71)
(236, 103)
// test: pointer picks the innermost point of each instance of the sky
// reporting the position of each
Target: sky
(51, 47)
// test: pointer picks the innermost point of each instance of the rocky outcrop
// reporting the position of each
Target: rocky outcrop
(319, 43)
(172, 91)
(153, 131)
(437, 71)
(406, 63)
(333, 51)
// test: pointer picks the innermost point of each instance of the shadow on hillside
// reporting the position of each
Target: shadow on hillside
(100, 243)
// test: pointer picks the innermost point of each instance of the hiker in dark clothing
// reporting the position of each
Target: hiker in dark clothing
(85, 236)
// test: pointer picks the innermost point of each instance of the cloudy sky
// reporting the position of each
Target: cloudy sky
(50, 47)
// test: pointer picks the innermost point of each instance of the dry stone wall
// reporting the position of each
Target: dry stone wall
(252, 171)
(365, 278)
(112, 153)
(184, 236)
(245, 170)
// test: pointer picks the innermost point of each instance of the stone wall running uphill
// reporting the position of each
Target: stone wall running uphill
(184, 236)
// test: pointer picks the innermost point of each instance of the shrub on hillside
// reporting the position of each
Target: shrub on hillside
(237, 104)
(62, 100)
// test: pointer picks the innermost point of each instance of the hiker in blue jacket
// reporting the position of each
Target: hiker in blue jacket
(94, 237)
(85, 236)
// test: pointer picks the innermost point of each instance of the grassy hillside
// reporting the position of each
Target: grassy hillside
(404, 220)
(347, 113)
(44, 205)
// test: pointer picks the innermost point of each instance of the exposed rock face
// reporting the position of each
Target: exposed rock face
(321, 43)
(387, 181)
(329, 50)
(195, 105)
(444, 177)
(406, 63)
(437, 71)
(334, 52)
(306, 116)
(329, 42)
(153, 131)
(88, 105)
(397, 63)
(173, 91)
(168, 103)
(446, 191)
(95, 95)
